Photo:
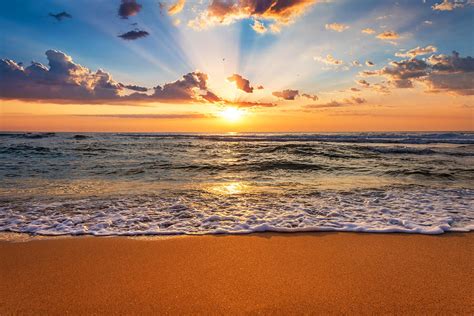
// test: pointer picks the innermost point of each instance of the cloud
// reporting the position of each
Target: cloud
(338, 27)
(279, 12)
(400, 73)
(449, 5)
(241, 83)
(451, 74)
(310, 96)
(249, 104)
(60, 16)
(63, 80)
(171, 116)
(133, 35)
(455, 83)
(439, 73)
(336, 104)
(259, 27)
(363, 83)
(129, 8)
(287, 94)
(356, 63)
(452, 64)
(66, 81)
(369, 63)
(418, 51)
(275, 28)
(329, 60)
(332, 104)
(357, 100)
(177, 7)
(290, 94)
(368, 31)
(378, 87)
(388, 35)
(135, 88)
(191, 87)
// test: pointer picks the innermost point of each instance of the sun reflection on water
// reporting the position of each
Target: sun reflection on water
(230, 188)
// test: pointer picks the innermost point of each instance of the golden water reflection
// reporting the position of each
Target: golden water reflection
(230, 188)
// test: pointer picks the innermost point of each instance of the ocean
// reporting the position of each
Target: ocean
(167, 184)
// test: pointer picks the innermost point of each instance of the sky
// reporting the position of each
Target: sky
(237, 65)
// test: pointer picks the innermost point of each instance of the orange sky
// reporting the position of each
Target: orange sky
(412, 113)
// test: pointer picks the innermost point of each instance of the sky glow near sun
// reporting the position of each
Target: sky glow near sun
(215, 66)
(232, 114)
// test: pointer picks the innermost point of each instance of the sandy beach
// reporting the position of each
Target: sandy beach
(316, 273)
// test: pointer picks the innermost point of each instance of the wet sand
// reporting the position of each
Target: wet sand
(316, 273)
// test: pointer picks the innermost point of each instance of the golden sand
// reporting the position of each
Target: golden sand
(316, 273)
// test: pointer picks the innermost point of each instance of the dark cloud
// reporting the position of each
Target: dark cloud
(133, 35)
(363, 83)
(61, 16)
(401, 73)
(241, 83)
(191, 87)
(310, 96)
(439, 73)
(456, 83)
(66, 81)
(452, 74)
(451, 64)
(129, 8)
(286, 94)
(63, 80)
(135, 88)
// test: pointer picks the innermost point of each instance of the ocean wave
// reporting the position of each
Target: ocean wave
(23, 149)
(28, 135)
(405, 210)
(389, 138)
(80, 137)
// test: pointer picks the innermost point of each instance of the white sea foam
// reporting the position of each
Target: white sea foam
(420, 210)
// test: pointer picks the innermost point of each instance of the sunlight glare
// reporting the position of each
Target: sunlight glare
(231, 114)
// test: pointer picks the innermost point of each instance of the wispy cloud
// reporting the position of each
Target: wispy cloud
(338, 27)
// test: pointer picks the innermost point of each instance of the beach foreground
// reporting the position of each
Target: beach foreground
(315, 273)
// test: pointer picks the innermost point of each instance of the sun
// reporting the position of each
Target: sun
(231, 114)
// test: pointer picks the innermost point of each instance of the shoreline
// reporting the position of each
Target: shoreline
(324, 272)
(26, 237)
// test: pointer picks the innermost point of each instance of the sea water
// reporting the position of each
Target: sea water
(162, 184)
